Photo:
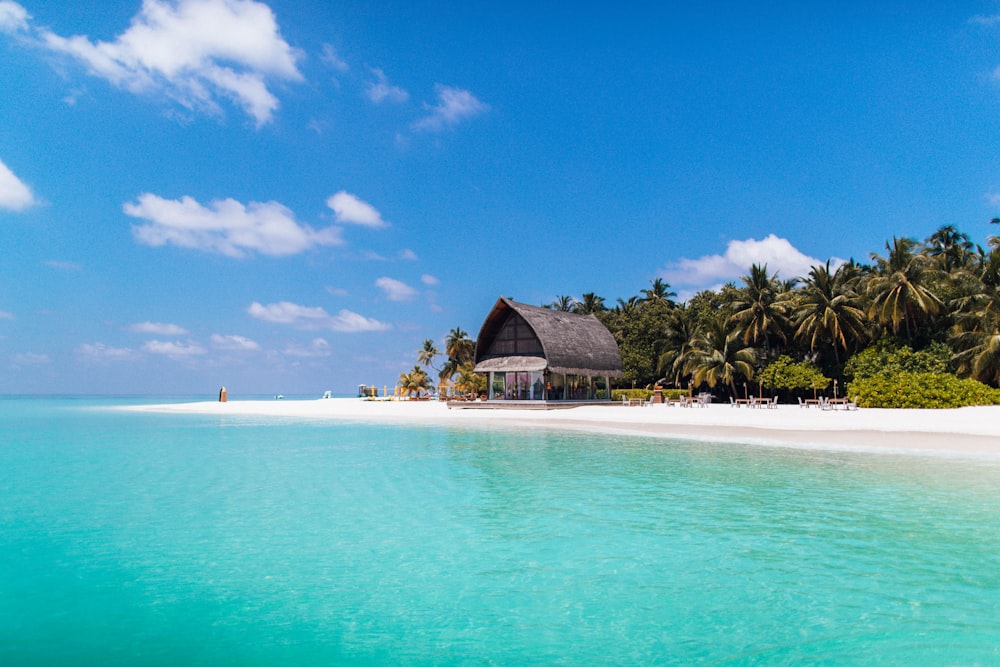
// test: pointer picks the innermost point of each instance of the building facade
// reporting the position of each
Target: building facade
(531, 353)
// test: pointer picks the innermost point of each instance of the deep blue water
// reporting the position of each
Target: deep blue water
(149, 539)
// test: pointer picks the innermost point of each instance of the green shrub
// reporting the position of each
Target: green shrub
(618, 394)
(889, 358)
(783, 373)
(921, 390)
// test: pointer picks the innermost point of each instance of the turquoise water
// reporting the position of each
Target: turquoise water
(145, 539)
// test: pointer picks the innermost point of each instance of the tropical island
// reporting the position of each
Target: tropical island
(917, 326)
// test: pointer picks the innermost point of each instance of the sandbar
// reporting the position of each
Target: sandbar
(963, 431)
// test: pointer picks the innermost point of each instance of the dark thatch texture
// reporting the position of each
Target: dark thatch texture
(561, 342)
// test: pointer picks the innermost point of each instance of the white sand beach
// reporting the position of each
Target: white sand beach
(972, 430)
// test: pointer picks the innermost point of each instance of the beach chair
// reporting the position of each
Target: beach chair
(773, 403)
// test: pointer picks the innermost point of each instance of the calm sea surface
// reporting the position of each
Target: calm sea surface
(144, 539)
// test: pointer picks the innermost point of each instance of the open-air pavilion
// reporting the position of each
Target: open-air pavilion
(538, 357)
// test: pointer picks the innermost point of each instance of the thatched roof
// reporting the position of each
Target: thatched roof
(569, 343)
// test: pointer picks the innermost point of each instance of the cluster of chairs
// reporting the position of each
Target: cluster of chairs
(683, 401)
(824, 403)
(754, 402)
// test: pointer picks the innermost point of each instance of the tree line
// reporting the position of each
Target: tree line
(938, 298)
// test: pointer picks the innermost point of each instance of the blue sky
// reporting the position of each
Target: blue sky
(289, 197)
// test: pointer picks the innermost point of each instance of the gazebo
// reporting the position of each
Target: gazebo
(534, 354)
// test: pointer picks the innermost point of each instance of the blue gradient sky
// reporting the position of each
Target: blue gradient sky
(290, 197)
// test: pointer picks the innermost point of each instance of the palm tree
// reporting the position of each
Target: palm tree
(677, 344)
(563, 303)
(951, 248)
(758, 310)
(415, 382)
(719, 357)
(976, 332)
(469, 381)
(426, 354)
(900, 289)
(459, 347)
(628, 308)
(979, 357)
(827, 311)
(659, 290)
(591, 304)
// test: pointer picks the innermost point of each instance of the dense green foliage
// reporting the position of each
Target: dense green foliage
(929, 308)
(785, 373)
(921, 390)
(887, 358)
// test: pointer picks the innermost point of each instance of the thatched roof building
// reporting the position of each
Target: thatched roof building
(534, 353)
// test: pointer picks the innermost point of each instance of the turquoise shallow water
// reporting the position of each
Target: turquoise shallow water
(145, 539)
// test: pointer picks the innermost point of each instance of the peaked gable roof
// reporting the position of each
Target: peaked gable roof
(571, 343)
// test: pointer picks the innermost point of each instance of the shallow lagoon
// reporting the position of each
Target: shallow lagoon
(132, 538)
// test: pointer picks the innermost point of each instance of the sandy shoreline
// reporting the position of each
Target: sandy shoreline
(973, 430)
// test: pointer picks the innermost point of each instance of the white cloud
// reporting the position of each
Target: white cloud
(13, 17)
(985, 20)
(234, 343)
(333, 60)
(429, 280)
(396, 290)
(14, 195)
(226, 226)
(336, 291)
(993, 198)
(779, 254)
(408, 255)
(313, 318)
(175, 349)
(381, 90)
(60, 265)
(349, 209)
(30, 359)
(194, 51)
(454, 105)
(99, 352)
(158, 329)
(317, 347)
(4, 315)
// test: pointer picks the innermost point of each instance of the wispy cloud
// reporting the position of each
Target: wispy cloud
(408, 255)
(317, 347)
(395, 290)
(711, 270)
(196, 52)
(429, 280)
(226, 227)
(30, 359)
(101, 353)
(174, 349)
(234, 343)
(13, 17)
(14, 194)
(332, 59)
(453, 106)
(348, 209)
(993, 198)
(985, 20)
(380, 90)
(314, 318)
(61, 265)
(158, 329)
(4, 315)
